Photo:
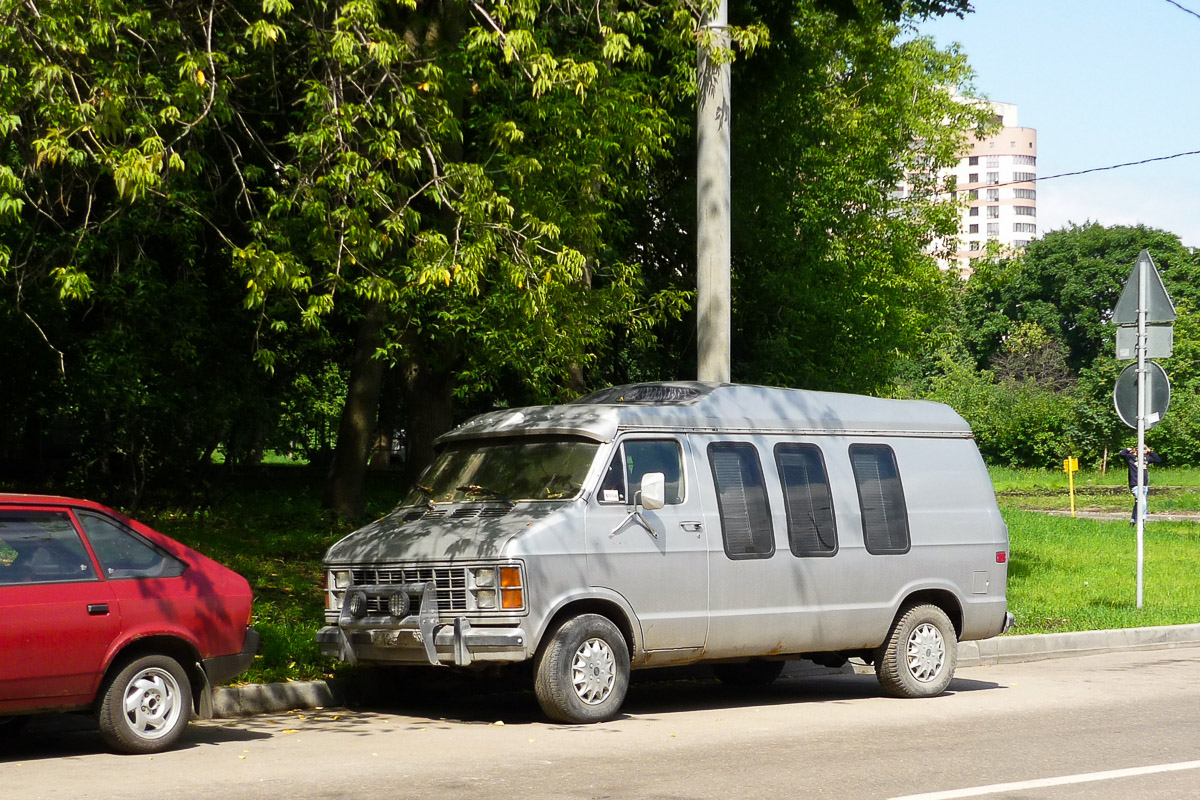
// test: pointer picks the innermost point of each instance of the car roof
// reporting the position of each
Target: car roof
(17, 499)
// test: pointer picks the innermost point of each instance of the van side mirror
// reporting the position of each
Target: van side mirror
(654, 492)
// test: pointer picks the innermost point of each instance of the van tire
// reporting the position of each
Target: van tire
(750, 673)
(920, 655)
(582, 673)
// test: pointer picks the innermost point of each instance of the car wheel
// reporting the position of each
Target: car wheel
(751, 673)
(583, 671)
(920, 654)
(146, 706)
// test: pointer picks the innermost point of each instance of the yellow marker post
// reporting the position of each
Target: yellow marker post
(1071, 466)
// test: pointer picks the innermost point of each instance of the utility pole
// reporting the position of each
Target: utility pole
(1143, 267)
(713, 200)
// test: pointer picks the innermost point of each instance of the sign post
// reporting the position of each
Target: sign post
(1071, 466)
(1144, 302)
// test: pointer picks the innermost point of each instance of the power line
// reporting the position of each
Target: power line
(1182, 8)
(1104, 169)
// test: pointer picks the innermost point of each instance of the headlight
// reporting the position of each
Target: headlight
(497, 588)
(341, 579)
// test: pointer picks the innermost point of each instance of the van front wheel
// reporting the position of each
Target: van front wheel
(920, 655)
(583, 672)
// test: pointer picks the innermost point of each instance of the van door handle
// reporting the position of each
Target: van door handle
(98, 609)
(694, 527)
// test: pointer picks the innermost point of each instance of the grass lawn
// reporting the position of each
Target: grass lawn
(1081, 574)
(1171, 489)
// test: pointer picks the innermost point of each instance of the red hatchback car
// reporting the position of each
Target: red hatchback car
(99, 612)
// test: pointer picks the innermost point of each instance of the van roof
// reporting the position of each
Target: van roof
(702, 406)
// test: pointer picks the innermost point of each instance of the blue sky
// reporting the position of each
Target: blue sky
(1103, 82)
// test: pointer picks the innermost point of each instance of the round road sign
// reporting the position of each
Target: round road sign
(1158, 395)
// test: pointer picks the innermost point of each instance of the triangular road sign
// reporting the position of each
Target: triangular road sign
(1159, 307)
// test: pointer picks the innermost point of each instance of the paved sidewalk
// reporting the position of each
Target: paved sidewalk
(272, 698)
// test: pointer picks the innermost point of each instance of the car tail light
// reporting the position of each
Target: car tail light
(1001, 557)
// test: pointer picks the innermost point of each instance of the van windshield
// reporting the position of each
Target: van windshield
(506, 470)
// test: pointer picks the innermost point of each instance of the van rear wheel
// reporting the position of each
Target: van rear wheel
(920, 655)
(583, 671)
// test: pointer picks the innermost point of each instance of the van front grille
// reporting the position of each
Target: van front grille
(450, 583)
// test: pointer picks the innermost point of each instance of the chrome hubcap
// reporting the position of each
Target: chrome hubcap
(593, 671)
(926, 652)
(151, 704)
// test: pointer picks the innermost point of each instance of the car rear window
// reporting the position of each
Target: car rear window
(123, 554)
(41, 547)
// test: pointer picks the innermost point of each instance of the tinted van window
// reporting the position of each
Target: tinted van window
(809, 505)
(881, 498)
(742, 500)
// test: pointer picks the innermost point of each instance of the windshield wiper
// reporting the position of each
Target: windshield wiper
(425, 490)
(476, 489)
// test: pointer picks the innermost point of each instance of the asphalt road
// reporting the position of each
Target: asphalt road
(1118, 725)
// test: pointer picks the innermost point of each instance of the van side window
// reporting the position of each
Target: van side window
(809, 506)
(881, 498)
(742, 500)
(633, 459)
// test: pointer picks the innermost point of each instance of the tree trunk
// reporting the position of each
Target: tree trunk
(428, 403)
(356, 432)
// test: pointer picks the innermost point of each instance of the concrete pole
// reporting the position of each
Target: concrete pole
(712, 205)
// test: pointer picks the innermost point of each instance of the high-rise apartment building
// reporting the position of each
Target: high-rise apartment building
(996, 180)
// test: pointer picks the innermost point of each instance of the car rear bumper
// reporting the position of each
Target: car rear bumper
(223, 668)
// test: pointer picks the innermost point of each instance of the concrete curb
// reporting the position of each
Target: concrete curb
(1013, 649)
(274, 698)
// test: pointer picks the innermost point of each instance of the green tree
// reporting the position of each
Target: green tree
(833, 279)
(1043, 320)
(438, 181)
(1068, 283)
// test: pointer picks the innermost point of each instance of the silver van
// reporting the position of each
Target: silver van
(670, 523)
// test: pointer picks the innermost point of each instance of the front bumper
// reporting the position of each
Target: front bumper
(453, 643)
(420, 638)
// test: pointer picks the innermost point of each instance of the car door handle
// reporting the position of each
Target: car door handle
(694, 527)
(98, 609)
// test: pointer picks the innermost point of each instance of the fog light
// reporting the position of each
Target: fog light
(398, 605)
(356, 604)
